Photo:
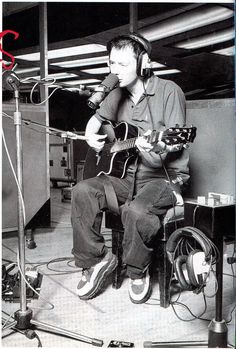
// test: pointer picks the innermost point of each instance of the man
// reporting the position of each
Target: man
(152, 183)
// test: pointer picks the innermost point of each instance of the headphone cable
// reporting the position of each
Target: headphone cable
(195, 317)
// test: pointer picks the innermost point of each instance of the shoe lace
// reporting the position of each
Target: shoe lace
(85, 274)
(137, 282)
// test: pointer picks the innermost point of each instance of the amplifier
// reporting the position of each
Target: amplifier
(214, 221)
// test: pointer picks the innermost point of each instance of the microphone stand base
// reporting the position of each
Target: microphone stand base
(217, 334)
(23, 319)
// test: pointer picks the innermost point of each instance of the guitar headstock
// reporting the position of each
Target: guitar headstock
(179, 135)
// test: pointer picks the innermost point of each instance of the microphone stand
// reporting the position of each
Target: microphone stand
(24, 316)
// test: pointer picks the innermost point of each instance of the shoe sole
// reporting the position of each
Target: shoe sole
(101, 280)
(143, 300)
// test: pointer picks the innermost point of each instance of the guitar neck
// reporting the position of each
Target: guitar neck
(123, 145)
(170, 137)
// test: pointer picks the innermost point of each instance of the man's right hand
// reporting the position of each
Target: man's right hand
(96, 141)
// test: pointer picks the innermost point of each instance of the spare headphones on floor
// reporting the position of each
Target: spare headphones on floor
(191, 269)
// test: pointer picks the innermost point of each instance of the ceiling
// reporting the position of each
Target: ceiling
(192, 43)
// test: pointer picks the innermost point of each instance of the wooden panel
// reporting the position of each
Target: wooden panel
(35, 165)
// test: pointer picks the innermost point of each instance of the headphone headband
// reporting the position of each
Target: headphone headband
(140, 40)
(188, 232)
(191, 268)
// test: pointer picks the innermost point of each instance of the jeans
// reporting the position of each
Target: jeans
(141, 218)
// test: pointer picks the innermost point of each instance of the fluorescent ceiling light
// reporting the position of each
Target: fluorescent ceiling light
(103, 70)
(219, 92)
(156, 65)
(84, 81)
(193, 92)
(82, 62)
(27, 70)
(7, 62)
(167, 71)
(229, 51)
(207, 40)
(65, 52)
(187, 21)
(92, 86)
(57, 76)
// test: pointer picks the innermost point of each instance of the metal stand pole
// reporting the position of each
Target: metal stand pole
(177, 344)
(217, 329)
(23, 317)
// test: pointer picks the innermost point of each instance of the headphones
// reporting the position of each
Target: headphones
(191, 269)
(143, 60)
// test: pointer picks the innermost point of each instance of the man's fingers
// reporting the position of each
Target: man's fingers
(147, 133)
(96, 141)
(143, 145)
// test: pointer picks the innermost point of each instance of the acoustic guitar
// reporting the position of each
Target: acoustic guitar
(120, 149)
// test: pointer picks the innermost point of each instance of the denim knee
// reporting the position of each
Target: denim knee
(80, 188)
(140, 220)
(131, 210)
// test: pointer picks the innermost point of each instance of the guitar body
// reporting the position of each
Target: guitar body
(119, 149)
(107, 161)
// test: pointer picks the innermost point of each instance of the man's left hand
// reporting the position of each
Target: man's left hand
(144, 145)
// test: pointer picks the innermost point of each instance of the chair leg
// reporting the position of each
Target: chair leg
(164, 277)
(117, 250)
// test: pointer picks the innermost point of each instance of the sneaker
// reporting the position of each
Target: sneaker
(93, 278)
(140, 289)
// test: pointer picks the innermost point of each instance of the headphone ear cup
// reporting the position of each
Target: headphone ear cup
(181, 272)
(191, 267)
(197, 267)
(143, 66)
(140, 63)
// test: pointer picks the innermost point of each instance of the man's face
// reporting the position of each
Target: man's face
(123, 63)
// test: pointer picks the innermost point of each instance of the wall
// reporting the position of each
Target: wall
(212, 155)
(35, 166)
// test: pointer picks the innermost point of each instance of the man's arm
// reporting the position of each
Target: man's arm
(143, 145)
(95, 140)
(175, 113)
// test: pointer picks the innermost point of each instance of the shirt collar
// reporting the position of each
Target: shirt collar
(150, 89)
(152, 84)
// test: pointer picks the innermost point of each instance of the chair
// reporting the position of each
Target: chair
(173, 219)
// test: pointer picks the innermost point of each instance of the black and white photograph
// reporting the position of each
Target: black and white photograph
(118, 174)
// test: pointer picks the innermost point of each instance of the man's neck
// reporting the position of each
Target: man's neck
(137, 89)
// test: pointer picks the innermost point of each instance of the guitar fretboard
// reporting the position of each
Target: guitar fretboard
(170, 137)
(123, 145)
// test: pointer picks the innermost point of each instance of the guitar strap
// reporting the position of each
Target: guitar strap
(131, 192)
(112, 202)
(111, 198)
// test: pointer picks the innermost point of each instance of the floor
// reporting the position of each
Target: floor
(111, 315)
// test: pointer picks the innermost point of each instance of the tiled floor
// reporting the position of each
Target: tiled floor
(111, 315)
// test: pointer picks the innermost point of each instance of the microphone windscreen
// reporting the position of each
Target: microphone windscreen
(110, 81)
(104, 88)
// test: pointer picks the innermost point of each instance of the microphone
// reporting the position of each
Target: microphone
(102, 90)
(10, 81)
(82, 91)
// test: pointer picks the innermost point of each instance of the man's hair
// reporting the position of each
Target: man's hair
(136, 41)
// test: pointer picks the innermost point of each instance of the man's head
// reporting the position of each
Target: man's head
(129, 58)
